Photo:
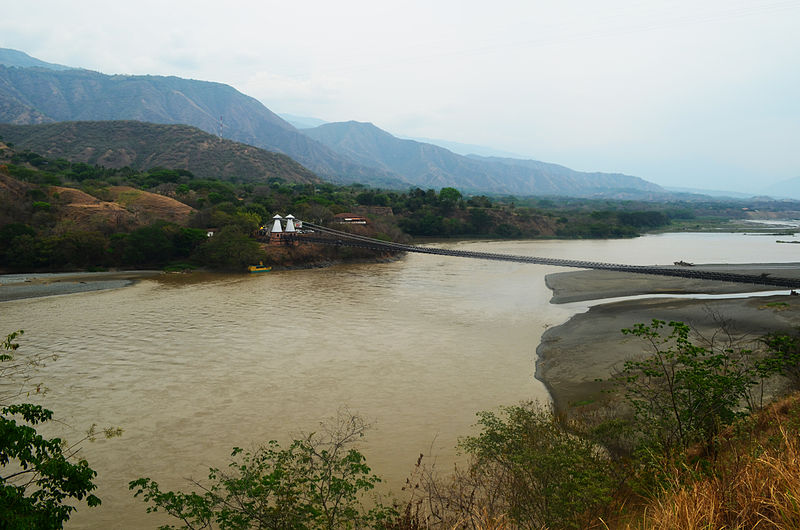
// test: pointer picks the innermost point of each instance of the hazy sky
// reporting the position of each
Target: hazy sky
(683, 92)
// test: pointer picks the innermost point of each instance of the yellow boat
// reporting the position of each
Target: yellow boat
(259, 268)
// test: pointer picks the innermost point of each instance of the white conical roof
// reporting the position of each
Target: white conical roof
(277, 216)
(290, 216)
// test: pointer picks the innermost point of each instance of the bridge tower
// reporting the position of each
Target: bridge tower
(276, 232)
(290, 228)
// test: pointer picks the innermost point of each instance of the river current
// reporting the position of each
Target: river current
(193, 365)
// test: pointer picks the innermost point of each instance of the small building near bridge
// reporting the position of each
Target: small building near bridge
(349, 219)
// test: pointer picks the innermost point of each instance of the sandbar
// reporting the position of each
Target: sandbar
(591, 346)
(36, 285)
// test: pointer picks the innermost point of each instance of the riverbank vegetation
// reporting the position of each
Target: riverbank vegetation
(58, 215)
(41, 478)
(684, 440)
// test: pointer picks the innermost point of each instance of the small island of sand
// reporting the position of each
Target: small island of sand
(590, 346)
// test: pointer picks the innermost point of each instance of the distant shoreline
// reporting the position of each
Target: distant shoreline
(41, 284)
(590, 345)
(37, 285)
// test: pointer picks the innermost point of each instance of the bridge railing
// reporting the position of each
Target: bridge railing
(328, 236)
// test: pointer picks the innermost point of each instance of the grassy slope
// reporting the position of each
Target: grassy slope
(754, 482)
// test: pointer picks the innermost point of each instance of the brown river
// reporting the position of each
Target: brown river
(193, 365)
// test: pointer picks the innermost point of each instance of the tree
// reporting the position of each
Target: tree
(317, 482)
(39, 479)
(544, 474)
(230, 248)
(451, 195)
(682, 393)
(449, 198)
(784, 356)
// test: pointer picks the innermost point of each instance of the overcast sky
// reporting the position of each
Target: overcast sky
(681, 92)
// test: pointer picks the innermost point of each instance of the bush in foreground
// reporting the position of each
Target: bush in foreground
(317, 482)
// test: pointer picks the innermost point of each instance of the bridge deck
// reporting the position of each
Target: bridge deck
(327, 236)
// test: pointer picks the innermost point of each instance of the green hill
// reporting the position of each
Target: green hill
(141, 146)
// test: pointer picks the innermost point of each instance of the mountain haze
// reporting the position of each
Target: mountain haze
(39, 95)
(302, 122)
(142, 146)
(31, 92)
(430, 166)
(11, 57)
(784, 189)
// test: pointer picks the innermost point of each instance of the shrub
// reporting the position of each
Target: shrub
(682, 393)
(545, 475)
(316, 482)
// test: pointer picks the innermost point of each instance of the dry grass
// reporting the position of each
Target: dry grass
(755, 482)
(752, 481)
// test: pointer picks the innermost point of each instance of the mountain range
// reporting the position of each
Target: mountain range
(35, 92)
(43, 95)
(429, 165)
(789, 188)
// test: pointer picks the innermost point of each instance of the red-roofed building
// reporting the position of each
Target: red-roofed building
(349, 219)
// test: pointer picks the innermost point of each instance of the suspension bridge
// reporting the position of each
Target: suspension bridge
(314, 233)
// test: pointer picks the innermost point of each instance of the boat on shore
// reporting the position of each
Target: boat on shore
(258, 268)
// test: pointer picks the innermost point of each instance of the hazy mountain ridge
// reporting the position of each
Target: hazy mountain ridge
(141, 146)
(583, 179)
(427, 165)
(37, 95)
(342, 152)
(302, 122)
(789, 188)
(11, 57)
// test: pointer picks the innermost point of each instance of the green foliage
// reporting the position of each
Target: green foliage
(230, 248)
(39, 481)
(641, 219)
(479, 220)
(682, 393)
(316, 482)
(78, 249)
(372, 198)
(22, 250)
(156, 245)
(423, 224)
(449, 195)
(545, 475)
(246, 201)
(783, 356)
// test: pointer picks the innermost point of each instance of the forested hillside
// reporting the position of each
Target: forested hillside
(62, 215)
(141, 146)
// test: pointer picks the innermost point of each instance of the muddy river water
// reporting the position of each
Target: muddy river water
(193, 365)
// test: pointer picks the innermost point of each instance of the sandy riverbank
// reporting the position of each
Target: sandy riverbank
(33, 285)
(590, 345)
